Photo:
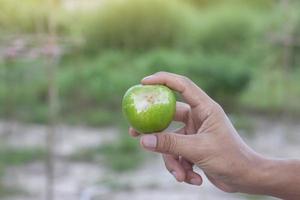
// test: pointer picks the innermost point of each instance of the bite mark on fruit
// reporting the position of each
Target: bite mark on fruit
(143, 101)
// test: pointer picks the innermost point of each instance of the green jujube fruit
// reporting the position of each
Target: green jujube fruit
(149, 108)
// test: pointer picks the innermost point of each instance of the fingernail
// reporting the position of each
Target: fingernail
(149, 141)
(174, 174)
(195, 181)
(147, 77)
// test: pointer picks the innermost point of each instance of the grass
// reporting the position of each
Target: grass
(92, 117)
(119, 156)
(115, 185)
(9, 191)
(10, 156)
(256, 197)
(18, 156)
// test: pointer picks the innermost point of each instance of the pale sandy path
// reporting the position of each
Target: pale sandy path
(76, 180)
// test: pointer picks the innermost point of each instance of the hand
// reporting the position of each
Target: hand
(208, 139)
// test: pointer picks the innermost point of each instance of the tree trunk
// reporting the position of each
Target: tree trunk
(53, 103)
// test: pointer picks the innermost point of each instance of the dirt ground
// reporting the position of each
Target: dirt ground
(80, 181)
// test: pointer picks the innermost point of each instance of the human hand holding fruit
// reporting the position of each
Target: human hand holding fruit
(203, 136)
(209, 141)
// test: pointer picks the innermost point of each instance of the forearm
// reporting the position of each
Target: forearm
(278, 178)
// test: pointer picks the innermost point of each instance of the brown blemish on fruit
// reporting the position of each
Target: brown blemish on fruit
(150, 99)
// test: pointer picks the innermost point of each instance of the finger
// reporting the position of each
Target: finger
(182, 112)
(186, 164)
(191, 93)
(191, 176)
(170, 143)
(133, 132)
(174, 167)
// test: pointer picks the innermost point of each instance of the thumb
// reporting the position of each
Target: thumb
(169, 143)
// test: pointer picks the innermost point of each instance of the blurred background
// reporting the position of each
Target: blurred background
(65, 65)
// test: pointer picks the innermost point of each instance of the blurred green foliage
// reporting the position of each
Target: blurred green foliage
(253, 3)
(225, 46)
(138, 25)
(23, 90)
(277, 91)
(30, 16)
(91, 91)
(225, 30)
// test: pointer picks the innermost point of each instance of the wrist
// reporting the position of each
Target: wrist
(273, 177)
(255, 172)
(258, 175)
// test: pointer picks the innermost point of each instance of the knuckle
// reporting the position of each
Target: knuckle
(185, 79)
(217, 108)
(217, 111)
(161, 73)
(168, 143)
(210, 108)
(184, 83)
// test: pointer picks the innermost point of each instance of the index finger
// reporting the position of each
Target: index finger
(191, 93)
(133, 132)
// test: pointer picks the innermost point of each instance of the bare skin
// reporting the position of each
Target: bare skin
(209, 141)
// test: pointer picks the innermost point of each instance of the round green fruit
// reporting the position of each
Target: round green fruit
(149, 108)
